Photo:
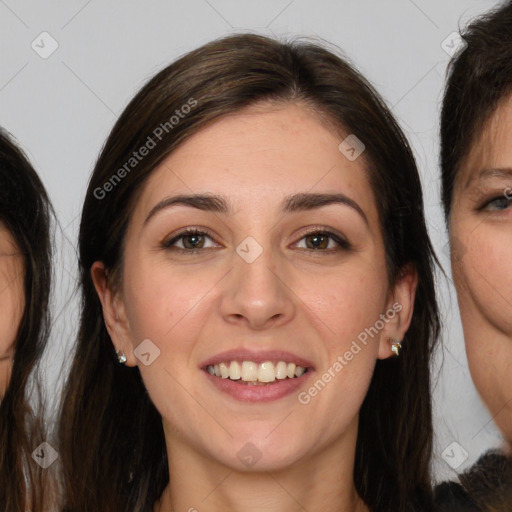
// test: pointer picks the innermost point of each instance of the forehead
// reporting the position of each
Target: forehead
(492, 148)
(261, 153)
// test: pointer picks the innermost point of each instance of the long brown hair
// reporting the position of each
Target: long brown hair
(25, 210)
(112, 442)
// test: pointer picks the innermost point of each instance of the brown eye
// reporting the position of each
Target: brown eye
(189, 241)
(324, 241)
(194, 241)
(319, 241)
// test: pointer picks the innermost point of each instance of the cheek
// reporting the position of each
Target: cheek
(490, 362)
(167, 306)
(347, 303)
(483, 274)
(5, 376)
(161, 300)
(11, 307)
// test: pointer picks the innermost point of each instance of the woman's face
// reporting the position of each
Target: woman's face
(481, 233)
(11, 302)
(251, 288)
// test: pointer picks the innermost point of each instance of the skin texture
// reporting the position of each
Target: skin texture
(193, 306)
(481, 232)
(11, 302)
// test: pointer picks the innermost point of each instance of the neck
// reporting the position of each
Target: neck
(319, 482)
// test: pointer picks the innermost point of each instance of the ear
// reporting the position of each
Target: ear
(398, 315)
(114, 315)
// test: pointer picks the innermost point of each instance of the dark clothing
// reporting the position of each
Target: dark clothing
(486, 486)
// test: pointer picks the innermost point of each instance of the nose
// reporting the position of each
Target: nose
(258, 293)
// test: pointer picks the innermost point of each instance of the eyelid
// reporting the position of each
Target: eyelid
(487, 202)
(174, 237)
(338, 238)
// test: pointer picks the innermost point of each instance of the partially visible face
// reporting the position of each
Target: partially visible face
(481, 234)
(262, 283)
(11, 302)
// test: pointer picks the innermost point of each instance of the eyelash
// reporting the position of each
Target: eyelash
(343, 244)
(501, 197)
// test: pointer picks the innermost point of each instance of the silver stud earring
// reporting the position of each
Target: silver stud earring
(396, 346)
(121, 357)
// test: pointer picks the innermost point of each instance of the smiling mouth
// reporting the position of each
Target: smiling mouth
(256, 374)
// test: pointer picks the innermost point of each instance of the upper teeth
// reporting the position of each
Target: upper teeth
(252, 372)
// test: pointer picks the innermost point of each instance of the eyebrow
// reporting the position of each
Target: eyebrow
(488, 173)
(294, 203)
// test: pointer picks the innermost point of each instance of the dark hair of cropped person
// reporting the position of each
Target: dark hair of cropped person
(112, 440)
(26, 212)
(479, 78)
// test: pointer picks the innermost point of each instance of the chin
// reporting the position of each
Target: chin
(257, 453)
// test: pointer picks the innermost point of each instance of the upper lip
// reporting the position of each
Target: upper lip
(256, 356)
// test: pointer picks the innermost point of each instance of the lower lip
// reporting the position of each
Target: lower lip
(246, 393)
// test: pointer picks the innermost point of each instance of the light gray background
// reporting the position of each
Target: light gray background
(61, 109)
